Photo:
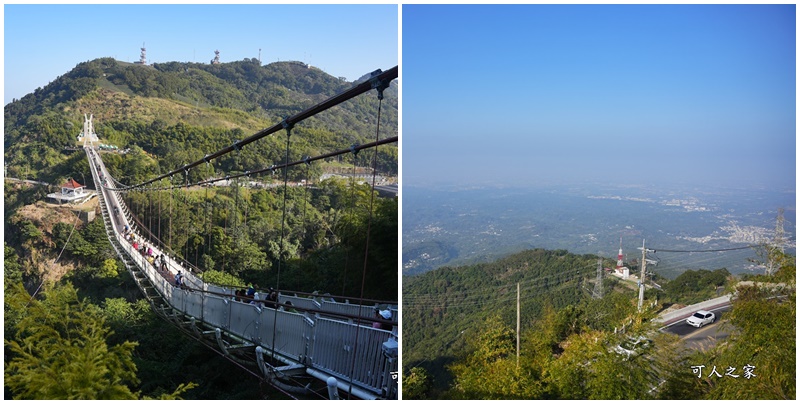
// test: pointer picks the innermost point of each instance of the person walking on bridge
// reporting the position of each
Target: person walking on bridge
(382, 315)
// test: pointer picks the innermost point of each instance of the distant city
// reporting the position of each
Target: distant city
(467, 226)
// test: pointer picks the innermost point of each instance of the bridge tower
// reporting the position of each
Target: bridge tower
(215, 61)
(88, 128)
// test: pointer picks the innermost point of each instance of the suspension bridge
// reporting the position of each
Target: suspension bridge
(318, 345)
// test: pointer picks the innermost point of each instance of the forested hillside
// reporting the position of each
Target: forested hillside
(162, 117)
(442, 308)
(459, 335)
(180, 111)
(169, 114)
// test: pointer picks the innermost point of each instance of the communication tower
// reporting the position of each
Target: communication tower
(143, 56)
(215, 61)
(620, 257)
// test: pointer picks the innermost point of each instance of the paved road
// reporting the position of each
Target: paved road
(704, 337)
(26, 181)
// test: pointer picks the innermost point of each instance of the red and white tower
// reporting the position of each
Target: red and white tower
(620, 256)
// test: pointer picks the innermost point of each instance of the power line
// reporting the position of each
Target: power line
(460, 298)
(693, 260)
(703, 251)
(530, 283)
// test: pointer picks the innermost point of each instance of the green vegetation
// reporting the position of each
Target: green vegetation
(238, 231)
(60, 351)
(182, 111)
(695, 286)
(442, 307)
(573, 350)
(767, 339)
(165, 116)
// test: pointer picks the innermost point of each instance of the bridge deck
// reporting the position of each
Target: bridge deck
(360, 359)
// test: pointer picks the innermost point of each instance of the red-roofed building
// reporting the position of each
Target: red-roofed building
(72, 187)
(71, 191)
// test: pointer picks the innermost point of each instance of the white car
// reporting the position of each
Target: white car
(701, 318)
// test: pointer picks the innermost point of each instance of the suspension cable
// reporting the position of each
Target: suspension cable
(159, 214)
(208, 227)
(171, 197)
(74, 225)
(305, 198)
(287, 123)
(283, 224)
(353, 148)
(360, 88)
(352, 208)
(369, 226)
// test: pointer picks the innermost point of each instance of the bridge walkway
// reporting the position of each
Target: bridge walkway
(322, 338)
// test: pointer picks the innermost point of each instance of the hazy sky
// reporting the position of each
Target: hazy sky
(607, 93)
(45, 41)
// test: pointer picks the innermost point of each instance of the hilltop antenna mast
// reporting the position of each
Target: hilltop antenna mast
(259, 56)
(598, 284)
(143, 56)
(215, 61)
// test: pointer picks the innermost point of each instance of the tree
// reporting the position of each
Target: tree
(12, 270)
(490, 371)
(765, 316)
(109, 269)
(416, 384)
(59, 351)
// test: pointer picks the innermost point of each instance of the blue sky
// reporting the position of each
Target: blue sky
(45, 41)
(527, 94)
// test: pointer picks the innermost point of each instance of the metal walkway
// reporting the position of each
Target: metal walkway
(324, 339)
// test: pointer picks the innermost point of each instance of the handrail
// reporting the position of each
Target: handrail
(317, 338)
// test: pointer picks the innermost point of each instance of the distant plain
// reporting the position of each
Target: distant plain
(463, 226)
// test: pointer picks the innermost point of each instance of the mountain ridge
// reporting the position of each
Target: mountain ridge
(132, 102)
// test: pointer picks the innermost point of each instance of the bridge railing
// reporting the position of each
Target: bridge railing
(301, 303)
(347, 350)
(321, 343)
(351, 351)
(354, 353)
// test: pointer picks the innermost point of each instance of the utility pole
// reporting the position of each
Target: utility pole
(642, 276)
(517, 325)
(598, 284)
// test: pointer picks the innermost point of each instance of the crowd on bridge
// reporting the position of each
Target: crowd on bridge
(159, 262)
(252, 296)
